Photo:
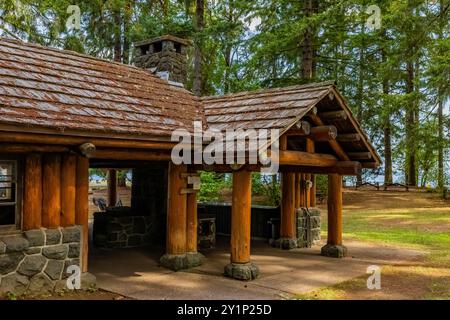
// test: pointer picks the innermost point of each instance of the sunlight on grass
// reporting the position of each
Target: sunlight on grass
(426, 229)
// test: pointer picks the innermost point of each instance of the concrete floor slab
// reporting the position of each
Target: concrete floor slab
(136, 273)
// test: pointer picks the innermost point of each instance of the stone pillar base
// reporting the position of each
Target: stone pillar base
(285, 243)
(174, 262)
(181, 261)
(242, 271)
(335, 251)
(194, 259)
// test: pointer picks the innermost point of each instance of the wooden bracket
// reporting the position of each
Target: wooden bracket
(188, 191)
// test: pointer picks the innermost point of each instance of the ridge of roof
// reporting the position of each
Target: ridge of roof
(314, 85)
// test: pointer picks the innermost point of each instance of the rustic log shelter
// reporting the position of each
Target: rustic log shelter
(62, 113)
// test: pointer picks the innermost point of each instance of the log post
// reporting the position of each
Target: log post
(334, 247)
(82, 207)
(240, 267)
(302, 190)
(51, 191)
(194, 258)
(312, 192)
(68, 191)
(298, 190)
(32, 201)
(175, 257)
(289, 191)
(287, 226)
(192, 223)
(311, 189)
(112, 187)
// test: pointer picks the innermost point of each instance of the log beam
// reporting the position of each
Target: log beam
(323, 133)
(20, 137)
(348, 137)
(344, 168)
(329, 116)
(120, 154)
(369, 165)
(360, 155)
(32, 201)
(302, 128)
(300, 158)
(342, 155)
(30, 148)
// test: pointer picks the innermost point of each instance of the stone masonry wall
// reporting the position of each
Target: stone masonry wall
(122, 232)
(35, 262)
(308, 219)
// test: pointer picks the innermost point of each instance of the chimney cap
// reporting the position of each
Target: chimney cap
(166, 37)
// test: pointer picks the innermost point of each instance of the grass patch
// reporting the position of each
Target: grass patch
(424, 228)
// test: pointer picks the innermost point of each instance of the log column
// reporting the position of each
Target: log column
(32, 201)
(112, 187)
(68, 187)
(51, 191)
(298, 191)
(175, 257)
(310, 148)
(240, 267)
(289, 193)
(334, 247)
(194, 258)
(82, 206)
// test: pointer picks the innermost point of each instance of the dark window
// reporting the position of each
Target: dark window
(157, 47)
(177, 47)
(8, 193)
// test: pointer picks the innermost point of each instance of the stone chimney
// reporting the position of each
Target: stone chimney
(165, 56)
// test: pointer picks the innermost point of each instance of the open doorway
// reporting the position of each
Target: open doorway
(135, 221)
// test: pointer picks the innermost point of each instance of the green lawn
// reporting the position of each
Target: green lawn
(426, 229)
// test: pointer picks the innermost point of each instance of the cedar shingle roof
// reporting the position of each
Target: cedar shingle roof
(270, 108)
(281, 108)
(65, 92)
(42, 87)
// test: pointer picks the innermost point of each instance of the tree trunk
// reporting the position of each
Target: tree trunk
(387, 129)
(441, 116)
(360, 100)
(410, 126)
(117, 35)
(198, 46)
(126, 31)
(308, 65)
(440, 142)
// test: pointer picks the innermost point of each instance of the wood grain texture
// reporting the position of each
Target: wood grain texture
(82, 207)
(112, 187)
(287, 229)
(241, 217)
(334, 209)
(68, 190)
(176, 211)
(51, 191)
(32, 200)
(192, 223)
